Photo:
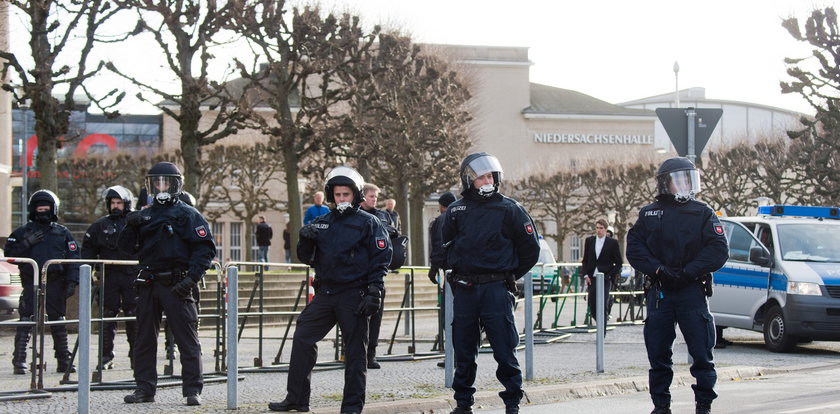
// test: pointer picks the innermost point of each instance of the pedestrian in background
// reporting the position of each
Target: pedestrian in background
(316, 210)
(264, 235)
(370, 194)
(677, 241)
(491, 241)
(174, 246)
(600, 254)
(390, 205)
(437, 254)
(287, 242)
(117, 282)
(43, 239)
(350, 252)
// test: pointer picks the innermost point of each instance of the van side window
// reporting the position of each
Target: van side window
(740, 241)
(765, 236)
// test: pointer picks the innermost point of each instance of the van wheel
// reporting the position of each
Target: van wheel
(776, 336)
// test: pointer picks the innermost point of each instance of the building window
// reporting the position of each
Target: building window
(235, 242)
(218, 237)
(575, 248)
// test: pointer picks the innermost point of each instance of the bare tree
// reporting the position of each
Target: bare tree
(820, 87)
(59, 31)
(555, 198)
(305, 51)
(728, 183)
(185, 32)
(409, 119)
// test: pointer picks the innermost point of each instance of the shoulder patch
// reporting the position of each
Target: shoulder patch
(529, 228)
(380, 243)
(71, 245)
(718, 229)
(201, 231)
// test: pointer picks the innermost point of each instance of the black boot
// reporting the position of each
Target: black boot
(661, 409)
(62, 354)
(108, 334)
(19, 354)
(703, 407)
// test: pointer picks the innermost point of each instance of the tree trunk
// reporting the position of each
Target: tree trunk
(416, 224)
(295, 217)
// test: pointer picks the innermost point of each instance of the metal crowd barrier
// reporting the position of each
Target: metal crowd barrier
(35, 390)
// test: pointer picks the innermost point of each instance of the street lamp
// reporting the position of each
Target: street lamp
(677, 83)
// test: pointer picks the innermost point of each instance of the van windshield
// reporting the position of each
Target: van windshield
(809, 242)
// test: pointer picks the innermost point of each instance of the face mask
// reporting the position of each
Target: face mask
(162, 198)
(486, 190)
(342, 206)
(43, 217)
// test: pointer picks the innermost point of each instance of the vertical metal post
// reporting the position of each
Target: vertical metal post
(691, 114)
(449, 365)
(84, 339)
(601, 324)
(529, 326)
(232, 355)
(408, 303)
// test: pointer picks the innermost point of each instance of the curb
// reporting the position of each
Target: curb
(547, 394)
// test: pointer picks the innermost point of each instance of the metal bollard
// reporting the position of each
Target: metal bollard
(529, 326)
(449, 351)
(84, 339)
(233, 354)
(601, 325)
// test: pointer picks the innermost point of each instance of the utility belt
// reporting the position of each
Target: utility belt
(469, 280)
(704, 280)
(166, 278)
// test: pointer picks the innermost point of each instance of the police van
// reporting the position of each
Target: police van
(783, 275)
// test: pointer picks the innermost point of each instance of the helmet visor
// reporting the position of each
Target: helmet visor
(483, 165)
(163, 186)
(684, 183)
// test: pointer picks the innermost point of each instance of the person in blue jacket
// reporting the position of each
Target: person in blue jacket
(491, 241)
(316, 210)
(677, 242)
(174, 246)
(42, 239)
(350, 251)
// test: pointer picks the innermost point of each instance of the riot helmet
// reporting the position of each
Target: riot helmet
(121, 193)
(345, 176)
(43, 198)
(678, 177)
(164, 182)
(476, 165)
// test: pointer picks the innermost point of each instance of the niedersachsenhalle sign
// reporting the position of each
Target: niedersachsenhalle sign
(605, 139)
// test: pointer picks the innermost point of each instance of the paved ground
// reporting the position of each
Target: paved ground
(563, 371)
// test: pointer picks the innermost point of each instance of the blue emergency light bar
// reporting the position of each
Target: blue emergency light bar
(800, 211)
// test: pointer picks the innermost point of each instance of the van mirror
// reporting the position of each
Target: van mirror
(760, 256)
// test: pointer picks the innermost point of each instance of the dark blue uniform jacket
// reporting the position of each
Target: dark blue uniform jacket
(100, 242)
(58, 243)
(682, 236)
(172, 237)
(487, 235)
(352, 250)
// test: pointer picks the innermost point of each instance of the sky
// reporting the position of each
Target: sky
(613, 50)
(621, 50)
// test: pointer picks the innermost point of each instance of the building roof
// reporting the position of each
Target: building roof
(550, 100)
(697, 95)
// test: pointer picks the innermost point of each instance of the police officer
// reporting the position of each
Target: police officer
(174, 247)
(370, 193)
(491, 241)
(350, 252)
(677, 242)
(43, 239)
(100, 242)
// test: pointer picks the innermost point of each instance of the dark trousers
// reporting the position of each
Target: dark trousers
(314, 323)
(373, 327)
(118, 294)
(56, 307)
(181, 315)
(689, 309)
(590, 298)
(488, 306)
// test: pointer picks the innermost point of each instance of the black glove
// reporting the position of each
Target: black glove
(33, 238)
(392, 231)
(667, 276)
(686, 277)
(371, 302)
(184, 287)
(134, 219)
(69, 289)
(433, 273)
(309, 231)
